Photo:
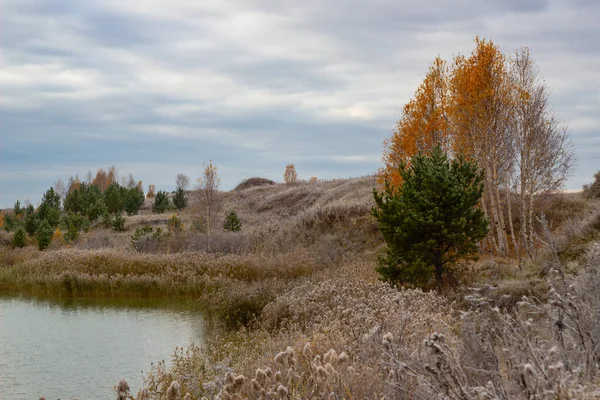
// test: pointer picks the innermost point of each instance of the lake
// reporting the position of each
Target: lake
(81, 348)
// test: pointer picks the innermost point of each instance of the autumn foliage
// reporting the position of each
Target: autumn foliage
(290, 176)
(493, 110)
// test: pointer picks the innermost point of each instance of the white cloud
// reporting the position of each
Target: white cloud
(263, 81)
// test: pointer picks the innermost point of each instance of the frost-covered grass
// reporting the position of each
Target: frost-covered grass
(305, 315)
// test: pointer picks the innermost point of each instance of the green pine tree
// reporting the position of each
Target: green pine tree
(18, 210)
(431, 221)
(118, 224)
(19, 237)
(134, 199)
(31, 222)
(44, 235)
(180, 200)
(232, 222)
(161, 202)
(113, 197)
(49, 209)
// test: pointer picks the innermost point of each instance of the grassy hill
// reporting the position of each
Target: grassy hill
(303, 314)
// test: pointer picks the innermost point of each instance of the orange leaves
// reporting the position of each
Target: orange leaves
(57, 235)
(151, 191)
(290, 176)
(424, 122)
(481, 98)
(463, 109)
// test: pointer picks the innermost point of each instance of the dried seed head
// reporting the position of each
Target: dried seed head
(330, 370)
(239, 380)
(261, 376)
(389, 337)
(289, 351)
(122, 389)
(280, 359)
(143, 394)
(278, 377)
(173, 391)
(392, 376)
(343, 357)
(269, 372)
(229, 378)
(528, 368)
(386, 345)
(331, 356)
(321, 372)
(306, 351)
(255, 385)
(187, 397)
(282, 391)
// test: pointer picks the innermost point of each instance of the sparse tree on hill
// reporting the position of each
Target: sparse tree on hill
(208, 190)
(151, 191)
(60, 188)
(432, 221)
(290, 176)
(182, 181)
(73, 183)
(101, 179)
(131, 183)
(232, 222)
(112, 175)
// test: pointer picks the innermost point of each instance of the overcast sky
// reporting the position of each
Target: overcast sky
(158, 87)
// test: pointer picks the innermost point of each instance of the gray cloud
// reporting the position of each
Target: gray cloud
(157, 89)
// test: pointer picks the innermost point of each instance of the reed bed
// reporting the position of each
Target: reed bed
(110, 272)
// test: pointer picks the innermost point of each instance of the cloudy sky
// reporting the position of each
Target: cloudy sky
(158, 87)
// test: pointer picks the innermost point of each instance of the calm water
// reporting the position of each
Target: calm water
(82, 348)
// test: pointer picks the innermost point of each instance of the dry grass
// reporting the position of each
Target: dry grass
(308, 318)
(112, 272)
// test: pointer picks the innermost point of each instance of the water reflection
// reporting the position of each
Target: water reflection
(67, 347)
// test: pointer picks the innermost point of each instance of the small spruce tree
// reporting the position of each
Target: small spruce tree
(44, 235)
(118, 224)
(161, 202)
(18, 210)
(134, 199)
(31, 222)
(431, 221)
(180, 200)
(113, 197)
(232, 222)
(19, 237)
